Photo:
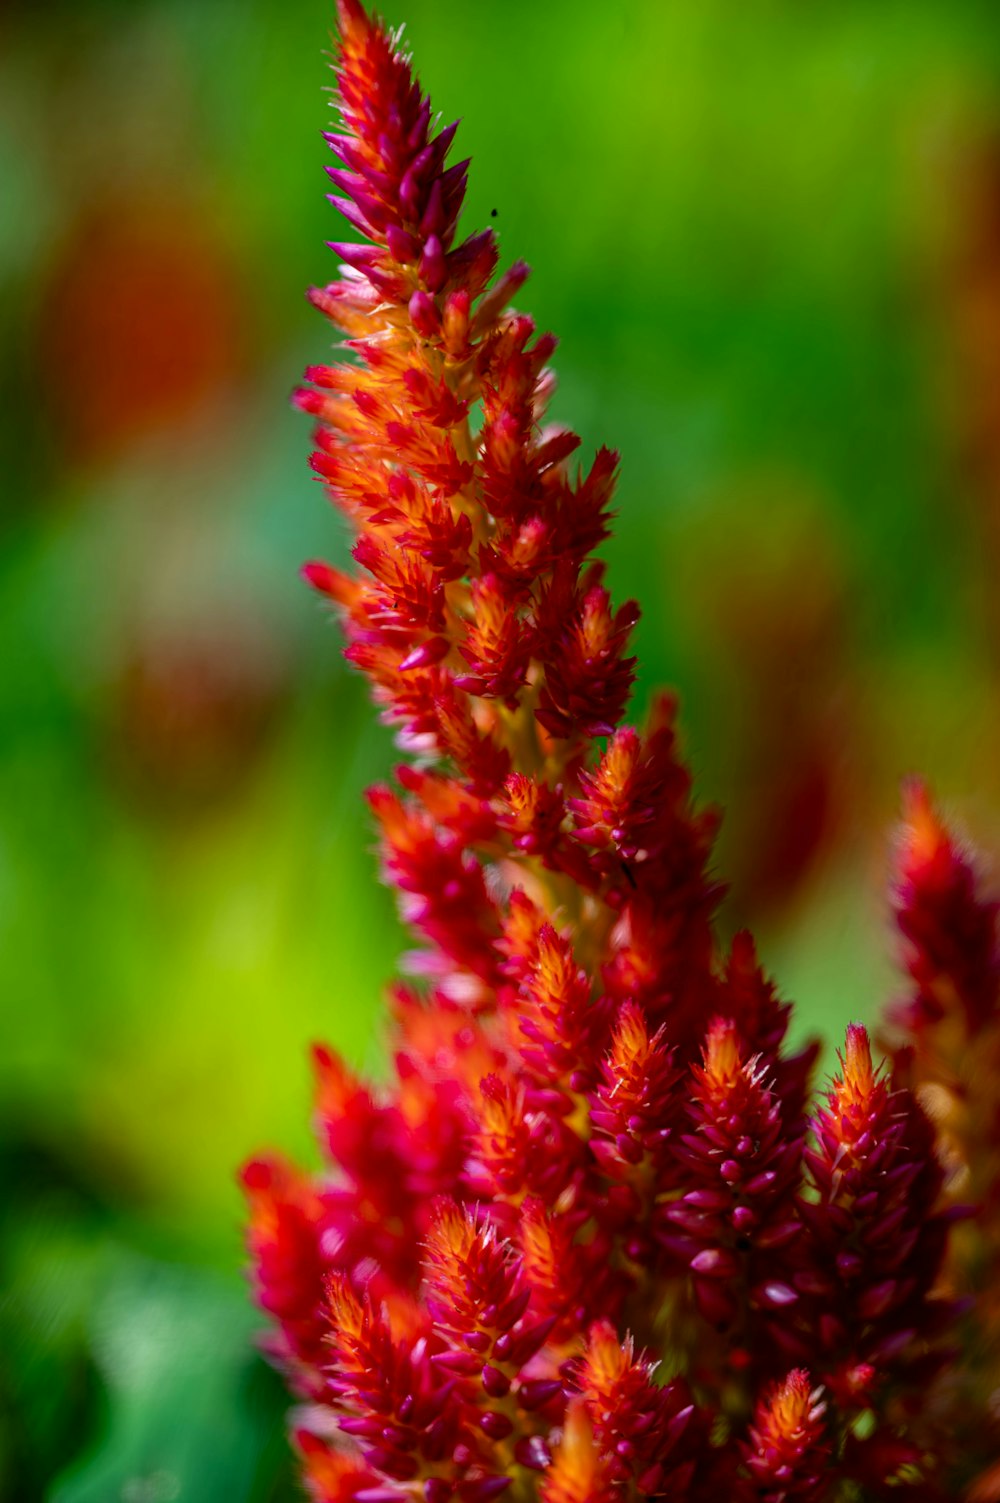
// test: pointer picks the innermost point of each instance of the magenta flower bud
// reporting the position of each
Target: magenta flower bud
(433, 269)
(403, 247)
(496, 1383)
(496, 1425)
(483, 1490)
(424, 313)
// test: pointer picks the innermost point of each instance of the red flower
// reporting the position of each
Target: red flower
(787, 1455)
(593, 1126)
(743, 1166)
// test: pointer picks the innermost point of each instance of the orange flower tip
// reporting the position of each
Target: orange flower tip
(794, 1406)
(337, 1090)
(608, 1359)
(346, 1309)
(320, 577)
(859, 1074)
(452, 1225)
(576, 1474)
(722, 1051)
(631, 1037)
(923, 836)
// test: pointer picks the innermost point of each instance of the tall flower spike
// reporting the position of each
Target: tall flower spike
(579, 1472)
(743, 1168)
(946, 1038)
(287, 1218)
(870, 1267)
(787, 1455)
(650, 1436)
(949, 927)
(591, 1125)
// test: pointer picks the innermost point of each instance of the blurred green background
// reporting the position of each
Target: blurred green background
(768, 232)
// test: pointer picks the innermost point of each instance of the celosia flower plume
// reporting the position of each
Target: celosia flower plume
(595, 1240)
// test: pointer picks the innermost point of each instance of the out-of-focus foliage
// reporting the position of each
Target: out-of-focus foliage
(769, 238)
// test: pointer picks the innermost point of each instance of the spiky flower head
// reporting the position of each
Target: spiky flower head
(590, 1242)
(787, 1455)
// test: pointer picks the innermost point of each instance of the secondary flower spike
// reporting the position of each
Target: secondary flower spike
(593, 1241)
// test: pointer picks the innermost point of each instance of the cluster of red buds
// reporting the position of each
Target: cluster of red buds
(595, 1239)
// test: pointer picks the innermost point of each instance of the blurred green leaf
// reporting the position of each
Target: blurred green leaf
(190, 1411)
